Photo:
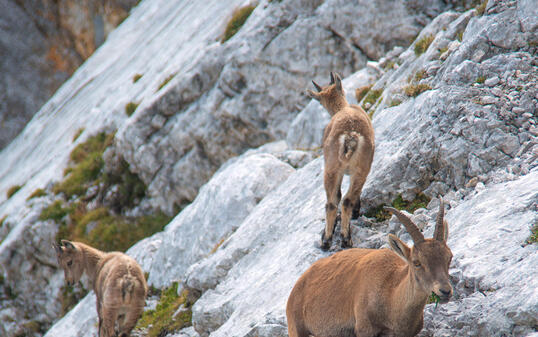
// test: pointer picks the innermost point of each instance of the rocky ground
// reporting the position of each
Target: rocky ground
(454, 115)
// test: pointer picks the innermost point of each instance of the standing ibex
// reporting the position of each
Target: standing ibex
(373, 292)
(348, 148)
(118, 283)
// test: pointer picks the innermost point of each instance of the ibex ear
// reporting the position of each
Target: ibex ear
(399, 247)
(312, 94)
(67, 244)
(338, 82)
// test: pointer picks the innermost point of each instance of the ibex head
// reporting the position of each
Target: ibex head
(428, 259)
(71, 260)
(332, 96)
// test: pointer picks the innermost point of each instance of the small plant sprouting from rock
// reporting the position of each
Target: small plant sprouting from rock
(422, 45)
(481, 9)
(37, 193)
(395, 102)
(136, 78)
(481, 79)
(239, 17)
(419, 75)
(362, 91)
(166, 318)
(77, 134)
(389, 65)
(459, 35)
(533, 238)
(130, 108)
(165, 81)
(421, 201)
(413, 90)
(12, 190)
(371, 97)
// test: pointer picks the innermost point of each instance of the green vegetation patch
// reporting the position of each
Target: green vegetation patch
(166, 318)
(481, 9)
(421, 201)
(434, 299)
(166, 80)
(12, 190)
(422, 45)
(371, 97)
(413, 90)
(136, 78)
(419, 75)
(481, 79)
(533, 238)
(77, 134)
(362, 91)
(86, 164)
(130, 108)
(395, 102)
(37, 193)
(239, 17)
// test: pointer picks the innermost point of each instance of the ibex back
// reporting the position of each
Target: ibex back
(118, 283)
(373, 292)
(348, 148)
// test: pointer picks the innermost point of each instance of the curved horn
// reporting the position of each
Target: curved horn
(411, 228)
(332, 77)
(439, 233)
(318, 88)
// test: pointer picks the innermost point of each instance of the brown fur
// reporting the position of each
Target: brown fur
(348, 148)
(371, 292)
(118, 283)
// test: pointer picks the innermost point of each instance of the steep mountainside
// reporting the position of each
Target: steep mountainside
(225, 128)
(42, 44)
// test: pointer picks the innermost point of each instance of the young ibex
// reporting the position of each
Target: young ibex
(373, 292)
(118, 283)
(348, 148)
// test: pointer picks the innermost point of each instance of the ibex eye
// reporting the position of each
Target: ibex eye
(69, 263)
(417, 264)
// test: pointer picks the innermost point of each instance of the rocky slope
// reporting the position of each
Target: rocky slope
(470, 136)
(43, 43)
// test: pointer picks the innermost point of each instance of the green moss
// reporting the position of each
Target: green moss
(55, 211)
(362, 91)
(371, 97)
(86, 164)
(165, 82)
(419, 75)
(136, 78)
(70, 296)
(130, 108)
(37, 193)
(459, 36)
(164, 320)
(422, 45)
(420, 201)
(533, 238)
(413, 90)
(481, 79)
(481, 9)
(12, 190)
(77, 134)
(395, 102)
(239, 17)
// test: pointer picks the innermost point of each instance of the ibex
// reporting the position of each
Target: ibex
(373, 292)
(118, 283)
(348, 148)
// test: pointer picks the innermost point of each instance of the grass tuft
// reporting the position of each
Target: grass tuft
(166, 318)
(37, 193)
(420, 201)
(77, 134)
(395, 102)
(12, 190)
(130, 108)
(419, 75)
(481, 9)
(362, 91)
(481, 79)
(239, 17)
(165, 81)
(413, 90)
(136, 78)
(533, 238)
(371, 97)
(422, 45)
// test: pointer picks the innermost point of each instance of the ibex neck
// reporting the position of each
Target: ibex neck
(410, 301)
(92, 257)
(336, 105)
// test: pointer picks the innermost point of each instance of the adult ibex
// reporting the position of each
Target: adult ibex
(348, 148)
(118, 283)
(373, 292)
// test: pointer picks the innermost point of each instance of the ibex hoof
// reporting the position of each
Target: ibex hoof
(325, 243)
(347, 242)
